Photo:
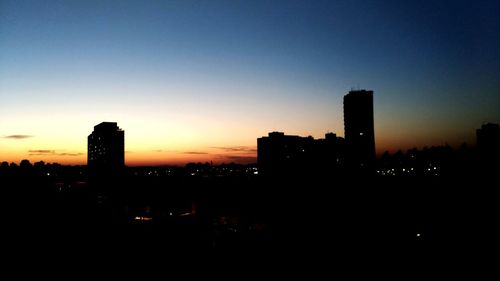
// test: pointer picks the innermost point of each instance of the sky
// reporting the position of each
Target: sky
(202, 80)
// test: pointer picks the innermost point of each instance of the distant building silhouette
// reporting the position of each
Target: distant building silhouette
(488, 137)
(279, 154)
(488, 145)
(359, 129)
(106, 148)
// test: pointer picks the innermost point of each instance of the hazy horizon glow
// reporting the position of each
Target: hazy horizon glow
(201, 81)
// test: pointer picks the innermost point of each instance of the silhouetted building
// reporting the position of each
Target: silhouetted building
(279, 154)
(488, 145)
(488, 137)
(359, 129)
(106, 148)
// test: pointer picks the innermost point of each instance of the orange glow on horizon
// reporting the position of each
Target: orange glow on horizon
(148, 158)
(215, 155)
(62, 137)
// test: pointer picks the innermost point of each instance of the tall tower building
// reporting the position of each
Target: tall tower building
(106, 148)
(359, 129)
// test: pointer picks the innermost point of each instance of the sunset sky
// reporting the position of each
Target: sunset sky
(202, 80)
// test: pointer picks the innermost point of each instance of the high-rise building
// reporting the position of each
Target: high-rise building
(359, 129)
(106, 148)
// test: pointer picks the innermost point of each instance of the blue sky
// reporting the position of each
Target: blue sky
(243, 68)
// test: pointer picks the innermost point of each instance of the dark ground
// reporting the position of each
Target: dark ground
(345, 219)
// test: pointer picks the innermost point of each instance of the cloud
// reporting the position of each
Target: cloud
(42, 152)
(38, 152)
(17, 137)
(238, 158)
(163, 150)
(245, 149)
(194, 152)
(70, 154)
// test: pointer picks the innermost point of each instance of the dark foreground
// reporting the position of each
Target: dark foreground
(346, 218)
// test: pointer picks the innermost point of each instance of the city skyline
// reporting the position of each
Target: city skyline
(197, 82)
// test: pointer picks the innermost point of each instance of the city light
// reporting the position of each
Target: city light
(142, 218)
